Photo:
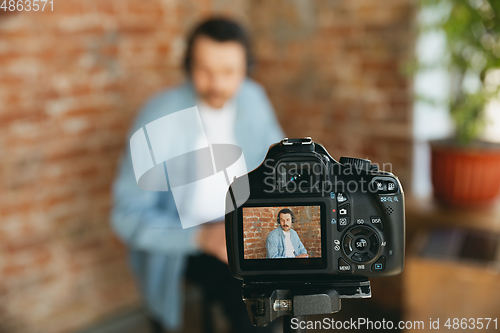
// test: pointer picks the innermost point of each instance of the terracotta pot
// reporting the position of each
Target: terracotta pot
(465, 176)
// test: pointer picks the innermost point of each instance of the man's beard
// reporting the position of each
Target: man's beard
(216, 98)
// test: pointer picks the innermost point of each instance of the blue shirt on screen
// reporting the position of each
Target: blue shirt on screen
(275, 244)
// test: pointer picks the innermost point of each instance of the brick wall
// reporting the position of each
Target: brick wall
(72, 80)
(335, 71)
(258, 222)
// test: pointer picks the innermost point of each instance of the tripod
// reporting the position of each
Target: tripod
(267, 301)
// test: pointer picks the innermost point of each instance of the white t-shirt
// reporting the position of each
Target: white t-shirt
(219, 128)
(289, 250)
(218, 123)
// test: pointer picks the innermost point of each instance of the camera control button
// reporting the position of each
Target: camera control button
(357, 231)
(341, 197)
(377, 222)
(378, 186)
(361, 257)
(344, 267)
(391, 186)
(361, 244)
(347, 244)
(379, 265)
(374, 246)
(344, 210)
(343, 223)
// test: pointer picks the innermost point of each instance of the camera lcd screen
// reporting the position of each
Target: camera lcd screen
(285, 232)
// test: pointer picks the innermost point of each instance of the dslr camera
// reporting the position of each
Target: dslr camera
(342, 219)
(307, 230)
(311, 218)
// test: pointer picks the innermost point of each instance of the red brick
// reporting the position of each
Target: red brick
(94, 63)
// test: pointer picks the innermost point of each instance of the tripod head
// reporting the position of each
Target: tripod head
(267, 301)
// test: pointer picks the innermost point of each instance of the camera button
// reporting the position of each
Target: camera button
(374, 246)
(377, 222)
(347, 244)
(343, 223)
(378, 186)
(361, 257)
(341, 197)
(379, 265)
(344, 267)
(344, 210)
(391, 186)
(361, 244)
(359, 230)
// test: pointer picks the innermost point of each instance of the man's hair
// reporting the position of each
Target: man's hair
(220, 30)
(286, 211)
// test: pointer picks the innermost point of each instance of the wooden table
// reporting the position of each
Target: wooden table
(443, 288)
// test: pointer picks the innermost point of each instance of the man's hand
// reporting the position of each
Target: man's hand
(303, 255)
(212, 240)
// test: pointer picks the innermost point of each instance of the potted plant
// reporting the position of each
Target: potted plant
(465, 169)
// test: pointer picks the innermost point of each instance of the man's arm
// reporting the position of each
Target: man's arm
(143, 219)
(301, 249)
(272, 246)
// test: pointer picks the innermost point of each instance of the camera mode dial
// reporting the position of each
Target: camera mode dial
(358, 163)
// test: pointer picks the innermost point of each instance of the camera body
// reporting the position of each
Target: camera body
(310, 218)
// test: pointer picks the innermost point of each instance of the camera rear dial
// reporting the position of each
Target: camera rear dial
(361, 244)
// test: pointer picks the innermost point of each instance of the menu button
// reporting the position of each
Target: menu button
(344, 267)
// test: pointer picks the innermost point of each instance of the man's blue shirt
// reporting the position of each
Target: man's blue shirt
(148, 222)
(275, 243)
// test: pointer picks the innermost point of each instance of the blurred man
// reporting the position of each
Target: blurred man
(233, 109)
(283, 242)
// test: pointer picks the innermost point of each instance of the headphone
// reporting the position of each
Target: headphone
(220, 29)
(286, 211)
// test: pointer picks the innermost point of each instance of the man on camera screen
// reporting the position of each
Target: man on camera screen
(283, 242)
